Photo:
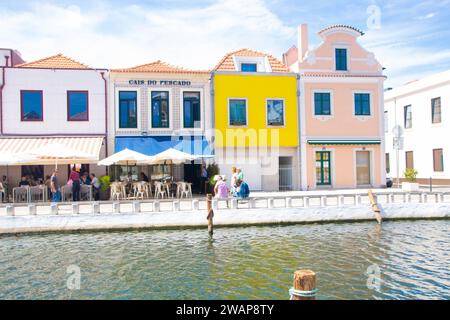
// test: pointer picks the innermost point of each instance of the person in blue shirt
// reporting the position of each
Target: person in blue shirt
(242, 190)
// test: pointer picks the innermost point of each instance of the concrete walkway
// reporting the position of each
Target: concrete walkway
(224, 217)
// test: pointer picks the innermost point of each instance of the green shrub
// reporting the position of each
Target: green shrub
(105, 182)
(410, 174)
(213, 170)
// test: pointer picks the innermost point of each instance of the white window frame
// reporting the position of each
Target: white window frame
(246, 111)
(202, 101)
(171, 107)
(313, 105)
(284, 113)
(138, 110)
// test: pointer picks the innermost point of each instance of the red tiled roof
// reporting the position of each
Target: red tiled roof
(57, 62)
(159, 67)
(227, 63)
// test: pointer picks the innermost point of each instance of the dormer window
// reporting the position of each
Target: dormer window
(341, 59)
(249, 67)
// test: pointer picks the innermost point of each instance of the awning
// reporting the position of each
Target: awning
(86, 145)
(195, 145)
(344, 142)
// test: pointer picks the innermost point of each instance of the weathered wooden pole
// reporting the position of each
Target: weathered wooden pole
(304, 285)
(375, 208)
(210, 215)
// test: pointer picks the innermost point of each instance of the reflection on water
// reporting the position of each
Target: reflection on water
(240, 263)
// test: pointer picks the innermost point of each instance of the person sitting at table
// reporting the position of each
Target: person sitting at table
(144, 177)
(85, 179)
(24, 182)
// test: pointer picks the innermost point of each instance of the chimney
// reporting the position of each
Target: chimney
(302, 41)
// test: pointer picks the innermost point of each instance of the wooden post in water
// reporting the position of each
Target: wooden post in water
(375, 208)
(210, 215)
(304, 285)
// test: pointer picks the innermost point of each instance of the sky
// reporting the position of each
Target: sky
(409, 37)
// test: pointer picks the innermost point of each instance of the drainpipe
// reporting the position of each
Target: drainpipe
(299, 133)
(106, 112)
(1, 94)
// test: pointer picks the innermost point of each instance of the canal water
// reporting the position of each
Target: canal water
(400, 260)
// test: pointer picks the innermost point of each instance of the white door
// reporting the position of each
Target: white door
(363, 168)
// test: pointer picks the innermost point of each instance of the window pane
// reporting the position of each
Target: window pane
(408, 116)
(362, 104)
(31, 105)
(275, 113)
(248, 67)
(436, 110)
(128, 109)
(191, 109)
(160, 109)
(341, 59)
(322, 103)
(238, 115)
(78, 106)
(438, 160)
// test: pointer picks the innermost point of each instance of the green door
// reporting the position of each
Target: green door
(323, 168)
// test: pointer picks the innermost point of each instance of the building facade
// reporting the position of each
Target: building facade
(256, 120)
(52, 100)
(157, 106)
(341, 111)
(418, 110)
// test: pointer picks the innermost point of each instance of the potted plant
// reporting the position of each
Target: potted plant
(410, 185)
(105, 182)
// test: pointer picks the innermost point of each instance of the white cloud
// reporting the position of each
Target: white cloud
(122, 36)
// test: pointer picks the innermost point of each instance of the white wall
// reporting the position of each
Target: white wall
(54, 84)
(424, 136)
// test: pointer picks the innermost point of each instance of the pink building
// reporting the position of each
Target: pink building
(341, 110)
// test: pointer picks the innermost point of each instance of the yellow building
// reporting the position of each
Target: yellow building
(255, 100)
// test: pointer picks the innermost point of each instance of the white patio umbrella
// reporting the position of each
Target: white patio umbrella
(125, 157)
(171, 156)
(60, 153)
(10, 159)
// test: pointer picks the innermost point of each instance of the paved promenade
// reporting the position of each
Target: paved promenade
(310, 207)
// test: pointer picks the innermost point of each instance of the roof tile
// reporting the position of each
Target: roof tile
(57, 62)
(227, 63)
(159, 67)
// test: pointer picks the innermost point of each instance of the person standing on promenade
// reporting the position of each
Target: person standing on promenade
(203, 179)
(233, 182)
(75, 177)
(96, 186)
(54, 187)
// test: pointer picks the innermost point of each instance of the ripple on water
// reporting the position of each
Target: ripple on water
(241, 263)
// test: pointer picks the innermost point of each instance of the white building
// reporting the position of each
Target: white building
(55, 99)
(157, 106)
(420, 109)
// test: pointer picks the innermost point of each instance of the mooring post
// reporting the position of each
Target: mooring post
(306, 202)
(96, 207)
(323, 201)
(210, 214)
(54, 208)
(252, 203)
(156, 206)
(304, 285)
(288, 202)
(9, 210)
(116, 207)
(136, 207)
(234, 203)
(195, 205)
(341, 201)
(32, 209)
(270, 203)
(176, 205)
(441, 197)
(75, 208)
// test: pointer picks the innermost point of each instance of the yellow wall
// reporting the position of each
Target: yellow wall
(256, 89)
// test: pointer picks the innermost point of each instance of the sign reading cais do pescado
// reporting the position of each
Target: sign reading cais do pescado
(160, 82)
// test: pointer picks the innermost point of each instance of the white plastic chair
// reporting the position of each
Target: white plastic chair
(186, 190)
(159, 190)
